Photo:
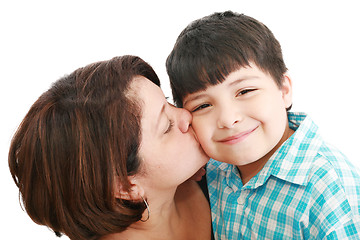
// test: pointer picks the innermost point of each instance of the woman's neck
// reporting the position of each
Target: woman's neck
(177, 215)
(162, 223)
(164, 215)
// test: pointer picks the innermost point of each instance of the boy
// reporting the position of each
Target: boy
(271, 175)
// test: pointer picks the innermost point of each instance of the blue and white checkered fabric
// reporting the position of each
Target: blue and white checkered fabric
(307, 190)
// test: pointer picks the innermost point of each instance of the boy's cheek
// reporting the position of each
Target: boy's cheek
(200, 126)
(203, 134)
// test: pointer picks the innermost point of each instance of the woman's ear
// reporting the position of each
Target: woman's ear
(286, 90)
(135, 192)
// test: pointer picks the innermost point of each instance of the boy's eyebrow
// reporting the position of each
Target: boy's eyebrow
(192, 98)
(245, 78)
(237, 81)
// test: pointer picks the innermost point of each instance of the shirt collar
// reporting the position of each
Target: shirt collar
(292, 161)
(229, 173)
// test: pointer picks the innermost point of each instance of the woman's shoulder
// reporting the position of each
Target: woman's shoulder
(190, 195)
(188, 190)
(195, 208)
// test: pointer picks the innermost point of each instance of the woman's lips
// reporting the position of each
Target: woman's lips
(238, 137)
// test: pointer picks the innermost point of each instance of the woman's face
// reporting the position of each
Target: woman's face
(169, 151)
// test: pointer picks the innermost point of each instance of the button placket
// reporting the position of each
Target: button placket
(242, 198)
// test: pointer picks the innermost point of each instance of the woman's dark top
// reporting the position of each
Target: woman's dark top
(203, 185)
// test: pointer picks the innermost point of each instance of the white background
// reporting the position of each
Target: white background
(40, 41)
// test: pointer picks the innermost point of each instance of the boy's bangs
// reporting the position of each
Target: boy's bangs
(197, 75)
(208, 73)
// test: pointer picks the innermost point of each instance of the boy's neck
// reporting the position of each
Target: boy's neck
(250, 170)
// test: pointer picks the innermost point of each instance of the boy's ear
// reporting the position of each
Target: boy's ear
(286, 90)
(135, 192)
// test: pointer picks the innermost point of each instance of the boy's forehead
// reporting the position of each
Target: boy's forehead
(242, 71)
(250, 72)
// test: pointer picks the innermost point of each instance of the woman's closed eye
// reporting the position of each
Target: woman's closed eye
(170, 126)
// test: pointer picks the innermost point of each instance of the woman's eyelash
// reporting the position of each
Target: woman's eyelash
(171, 124)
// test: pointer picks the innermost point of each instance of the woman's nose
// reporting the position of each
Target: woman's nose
(184, 119)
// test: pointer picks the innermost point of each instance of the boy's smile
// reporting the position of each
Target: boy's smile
(237, 137)
(243, 119)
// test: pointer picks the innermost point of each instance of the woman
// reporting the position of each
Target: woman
(101, 155)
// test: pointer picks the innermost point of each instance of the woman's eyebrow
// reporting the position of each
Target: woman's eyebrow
(161, 113)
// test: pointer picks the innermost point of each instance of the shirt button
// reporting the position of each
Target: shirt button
(241, 200)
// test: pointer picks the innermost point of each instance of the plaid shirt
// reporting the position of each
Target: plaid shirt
(306, 190)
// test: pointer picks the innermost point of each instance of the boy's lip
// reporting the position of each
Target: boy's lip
(238, 137)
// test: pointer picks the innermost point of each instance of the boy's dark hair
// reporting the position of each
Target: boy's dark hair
(210, 48)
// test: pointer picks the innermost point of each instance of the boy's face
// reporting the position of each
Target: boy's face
(243, 119)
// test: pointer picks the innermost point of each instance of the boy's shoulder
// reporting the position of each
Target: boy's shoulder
(308, 145)
(307, 151)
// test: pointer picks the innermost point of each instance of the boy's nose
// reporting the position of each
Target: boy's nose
(227, 118)
(184, 119)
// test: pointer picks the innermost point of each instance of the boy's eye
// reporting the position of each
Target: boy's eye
(171, 124)
(245, 91)
(202, 106)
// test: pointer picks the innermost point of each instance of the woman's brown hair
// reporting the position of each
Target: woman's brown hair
(75, 141)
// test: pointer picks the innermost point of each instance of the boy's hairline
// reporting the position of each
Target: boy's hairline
(236, 68)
